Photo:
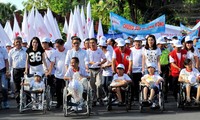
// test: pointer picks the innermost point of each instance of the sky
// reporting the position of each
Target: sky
(17, 3)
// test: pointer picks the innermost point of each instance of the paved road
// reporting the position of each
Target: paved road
(119, 113)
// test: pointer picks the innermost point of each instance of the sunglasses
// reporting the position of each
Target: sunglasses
(76, 43)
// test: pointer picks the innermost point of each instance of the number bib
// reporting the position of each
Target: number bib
(35, 58)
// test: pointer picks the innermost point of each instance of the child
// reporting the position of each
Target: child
(151, 81)
(190, 77)
(83, 75)
(120, 79)
(37, 86)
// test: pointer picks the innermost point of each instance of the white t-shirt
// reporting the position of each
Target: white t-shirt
(3, 57)
(110, 49)
(185, 74)
(59, 64)
(151, 79)
(171, 60)
(136, 58)
(191, 55)
(37, 85)
(50, 57)
(81, 71)
(151, 56)
(107, 71)
(124, 77)
(80, 54)
(96, 56)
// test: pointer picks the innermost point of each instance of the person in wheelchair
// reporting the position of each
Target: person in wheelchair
(151, 83)
(37, 87)
(190, 78)
(120, 79)
(82, 78)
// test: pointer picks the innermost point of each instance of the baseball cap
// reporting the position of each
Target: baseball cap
(102, 38)
(120, 66)
(102, 43)
(160, 40)
(24, 41)
(188, 39)
(151, 65)
(177, 43)
(38, 74)
(46, 39)
(8, 44)
(121, 43)
(127, 41)
(139, 38)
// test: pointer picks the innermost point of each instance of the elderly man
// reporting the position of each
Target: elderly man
(17, 60)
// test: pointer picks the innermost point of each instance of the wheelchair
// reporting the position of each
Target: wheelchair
(68, 102)
(27, 101)
(158, 98)
(182, 98)
(126, 97)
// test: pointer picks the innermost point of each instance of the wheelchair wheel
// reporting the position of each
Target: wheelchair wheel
(161, 101)
(180, 101)
(22, 101)
(48, 98)
(140, 102)
(89, 102)
(65, 102)
(109, 104)
(65, 112)
(128, 98)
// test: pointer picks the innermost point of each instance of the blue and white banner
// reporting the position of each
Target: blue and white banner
(125, 26)
(189, 31)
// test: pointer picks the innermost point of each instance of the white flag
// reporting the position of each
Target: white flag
(31, 27)
(25, 31)
(4, 37)
(89, 18)
(84, 28)
(68, 43)
(53, 25)
(100, 30)
(41, 30)
(9, 31)
(58, 34)
(74, 29)
(66, 27)
(91, 32)
(16, 29)
(48, 26)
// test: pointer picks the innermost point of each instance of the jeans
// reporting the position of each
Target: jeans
(107, 80)
(4, 84)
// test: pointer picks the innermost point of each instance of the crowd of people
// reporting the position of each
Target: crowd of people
(104, 62)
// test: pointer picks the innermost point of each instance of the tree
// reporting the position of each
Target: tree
(6, 12)
(61, 7)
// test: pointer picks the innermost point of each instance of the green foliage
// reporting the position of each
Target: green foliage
(60, 7)
(6, 12)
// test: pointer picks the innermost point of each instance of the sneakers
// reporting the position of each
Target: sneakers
(34, 107)
(74, 108)
(105, 99)
(80, 108)
(12, 95)
(40, 106)
(5, 105)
